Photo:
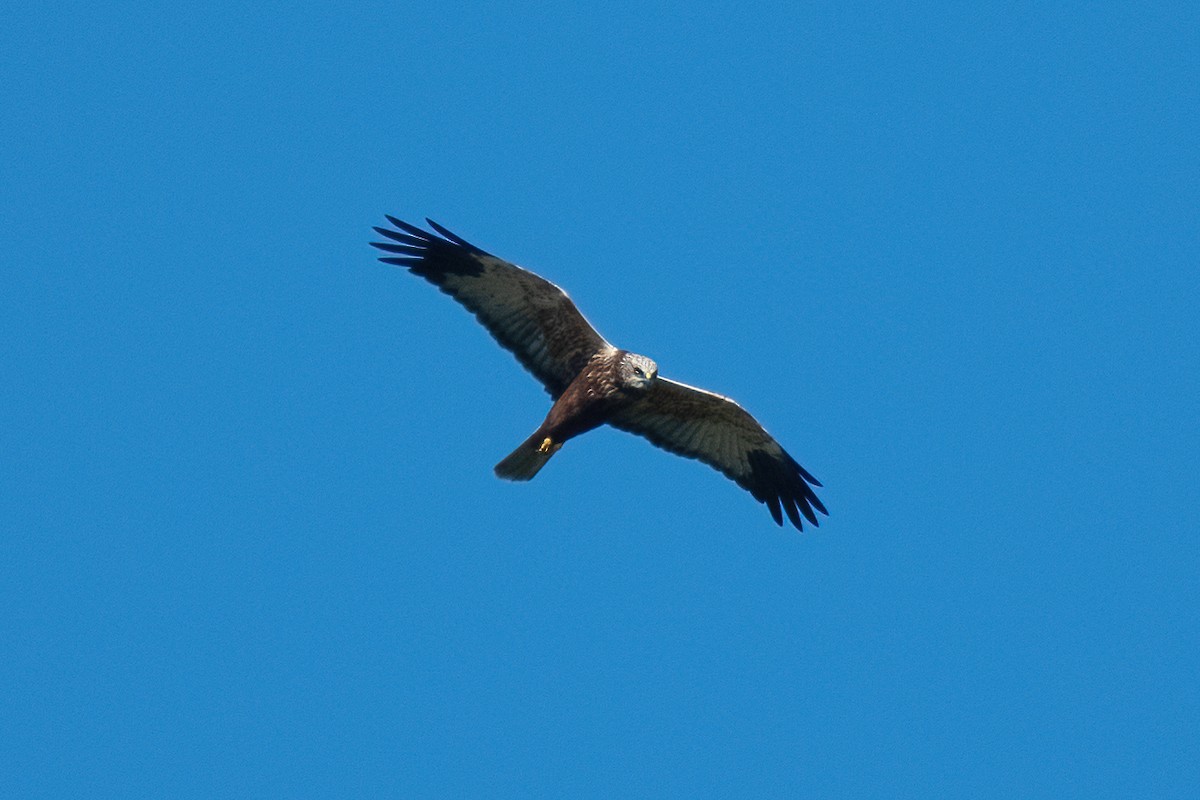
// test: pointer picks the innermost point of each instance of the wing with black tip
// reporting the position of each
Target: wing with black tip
(697, 424)
(525, 313)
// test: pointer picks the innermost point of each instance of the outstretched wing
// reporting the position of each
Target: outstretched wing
(526, 314)
(714, 429)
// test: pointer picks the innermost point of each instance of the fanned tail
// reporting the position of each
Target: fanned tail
(525, 462)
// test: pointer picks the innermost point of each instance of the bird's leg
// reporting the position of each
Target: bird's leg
(550, 446)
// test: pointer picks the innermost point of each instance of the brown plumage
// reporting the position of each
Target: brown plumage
(594, 383)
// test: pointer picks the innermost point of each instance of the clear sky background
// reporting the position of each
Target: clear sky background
(252, 544)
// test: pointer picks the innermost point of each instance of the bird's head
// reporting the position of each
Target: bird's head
(636, 372)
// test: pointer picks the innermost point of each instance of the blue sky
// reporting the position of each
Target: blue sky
(946, 253)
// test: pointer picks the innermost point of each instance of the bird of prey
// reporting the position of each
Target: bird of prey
(594, 383)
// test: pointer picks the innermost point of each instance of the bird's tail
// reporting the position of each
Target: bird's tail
(524, 462)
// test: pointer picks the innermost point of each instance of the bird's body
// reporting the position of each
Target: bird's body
(594, 383)
(606, 382)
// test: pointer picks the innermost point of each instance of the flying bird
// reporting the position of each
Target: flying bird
(594, 383)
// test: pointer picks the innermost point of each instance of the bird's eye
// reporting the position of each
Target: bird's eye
(638, 371)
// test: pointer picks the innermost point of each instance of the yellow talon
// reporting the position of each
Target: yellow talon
(547, 443)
